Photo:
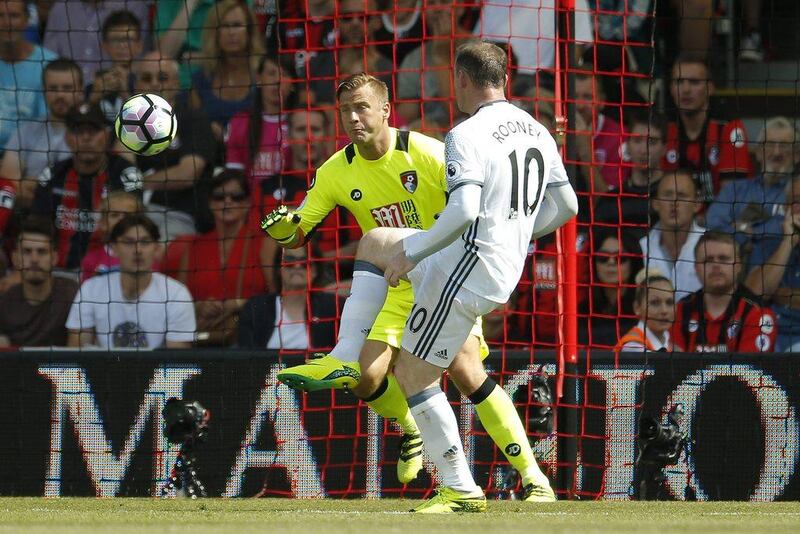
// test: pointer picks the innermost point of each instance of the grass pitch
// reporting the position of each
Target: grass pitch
(241, 516)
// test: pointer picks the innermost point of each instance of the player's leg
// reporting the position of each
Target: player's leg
(437, 327)
(367, 297)
(381, 391)
(439, 429)
(368, 290)
(500, 418)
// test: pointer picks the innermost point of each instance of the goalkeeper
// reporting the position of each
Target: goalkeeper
(391, 178)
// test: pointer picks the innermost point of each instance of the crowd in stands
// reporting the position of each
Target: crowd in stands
(688, 233)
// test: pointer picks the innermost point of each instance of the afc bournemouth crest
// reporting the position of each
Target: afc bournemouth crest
(409, 179)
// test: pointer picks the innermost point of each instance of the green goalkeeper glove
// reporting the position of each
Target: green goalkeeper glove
(281, 225)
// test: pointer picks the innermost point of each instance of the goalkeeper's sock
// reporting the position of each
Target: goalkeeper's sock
(501, 420)
(439, 428)
(389, 402)
(367, 295)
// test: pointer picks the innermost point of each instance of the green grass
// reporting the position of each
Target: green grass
(241, 516)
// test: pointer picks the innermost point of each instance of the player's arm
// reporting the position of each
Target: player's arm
(462, 209)
(292, 228)
(560, 204)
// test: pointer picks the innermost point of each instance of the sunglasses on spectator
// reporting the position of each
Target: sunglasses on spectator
(148, 77)
(221, 196)
(604, 256)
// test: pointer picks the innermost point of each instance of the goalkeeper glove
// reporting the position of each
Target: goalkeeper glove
(281, 225)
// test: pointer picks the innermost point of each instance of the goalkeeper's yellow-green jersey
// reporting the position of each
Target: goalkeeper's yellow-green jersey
(405, 188)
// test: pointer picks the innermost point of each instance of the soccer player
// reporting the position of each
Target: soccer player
(394, 179)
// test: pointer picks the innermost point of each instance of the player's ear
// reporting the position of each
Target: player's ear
(53, 257)
(387, 111)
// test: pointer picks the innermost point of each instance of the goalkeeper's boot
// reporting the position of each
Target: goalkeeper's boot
(449, 501)
(533, 493)
(322, 371)
(409, 463)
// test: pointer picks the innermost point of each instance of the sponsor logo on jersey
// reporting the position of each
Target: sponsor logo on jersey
(513, 449)
(397, 215)
(737, 137)
(441, 354)
(453, 169)
(733, 329)
(356, 194)
(766, 324)
(76, 219)
(409, 181)
(713, 155)
(763, 343)
(712, 348)
(693, 326)
(672, 156)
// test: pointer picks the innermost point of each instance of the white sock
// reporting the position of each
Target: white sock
(367, 295)
(439, 429)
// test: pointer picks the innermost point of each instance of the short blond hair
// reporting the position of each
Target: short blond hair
(357, 81)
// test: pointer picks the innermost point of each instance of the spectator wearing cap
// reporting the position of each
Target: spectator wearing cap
(37, 144)
(32, 312)
(74, 30)
(21, 67)
(133, 307)
(71, 191)
(173, 177)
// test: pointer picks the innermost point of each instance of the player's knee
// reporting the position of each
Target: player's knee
(368, 384)
(371, 245)
(468, 378)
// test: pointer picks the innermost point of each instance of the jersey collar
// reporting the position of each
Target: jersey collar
(489, 103)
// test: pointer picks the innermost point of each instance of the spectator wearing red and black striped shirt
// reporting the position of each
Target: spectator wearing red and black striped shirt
(723, 316)
(715, 149)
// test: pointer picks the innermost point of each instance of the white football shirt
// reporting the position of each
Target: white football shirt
(513, 158)
(163, 312)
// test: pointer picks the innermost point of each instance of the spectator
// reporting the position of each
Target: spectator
(669, 246)
(644, 149)
(38, 144)
(716, 150)
(134, 307)
(598, 136)
(254, 142)
(226, 266)
(424, 87)
(74, 29)
(121, 43)
(70, 191)
(173, 178)
(356, 51)
(310, 30)
(616, 260)
(281, 320)
(529, 27)
(723, 315)
(753, 209)
(101, 259)
(400, 31)
(33, 313)
(307, 133)
(751, 49)
(776, 275)
(21, 67)
(232, 48)
(654, 305)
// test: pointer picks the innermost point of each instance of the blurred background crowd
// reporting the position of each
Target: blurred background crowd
(681, 142)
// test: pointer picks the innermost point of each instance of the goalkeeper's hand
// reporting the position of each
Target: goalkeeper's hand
(281, 225)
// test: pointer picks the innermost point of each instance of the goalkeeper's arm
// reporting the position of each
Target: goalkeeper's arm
(559, 205)
(283, 226)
